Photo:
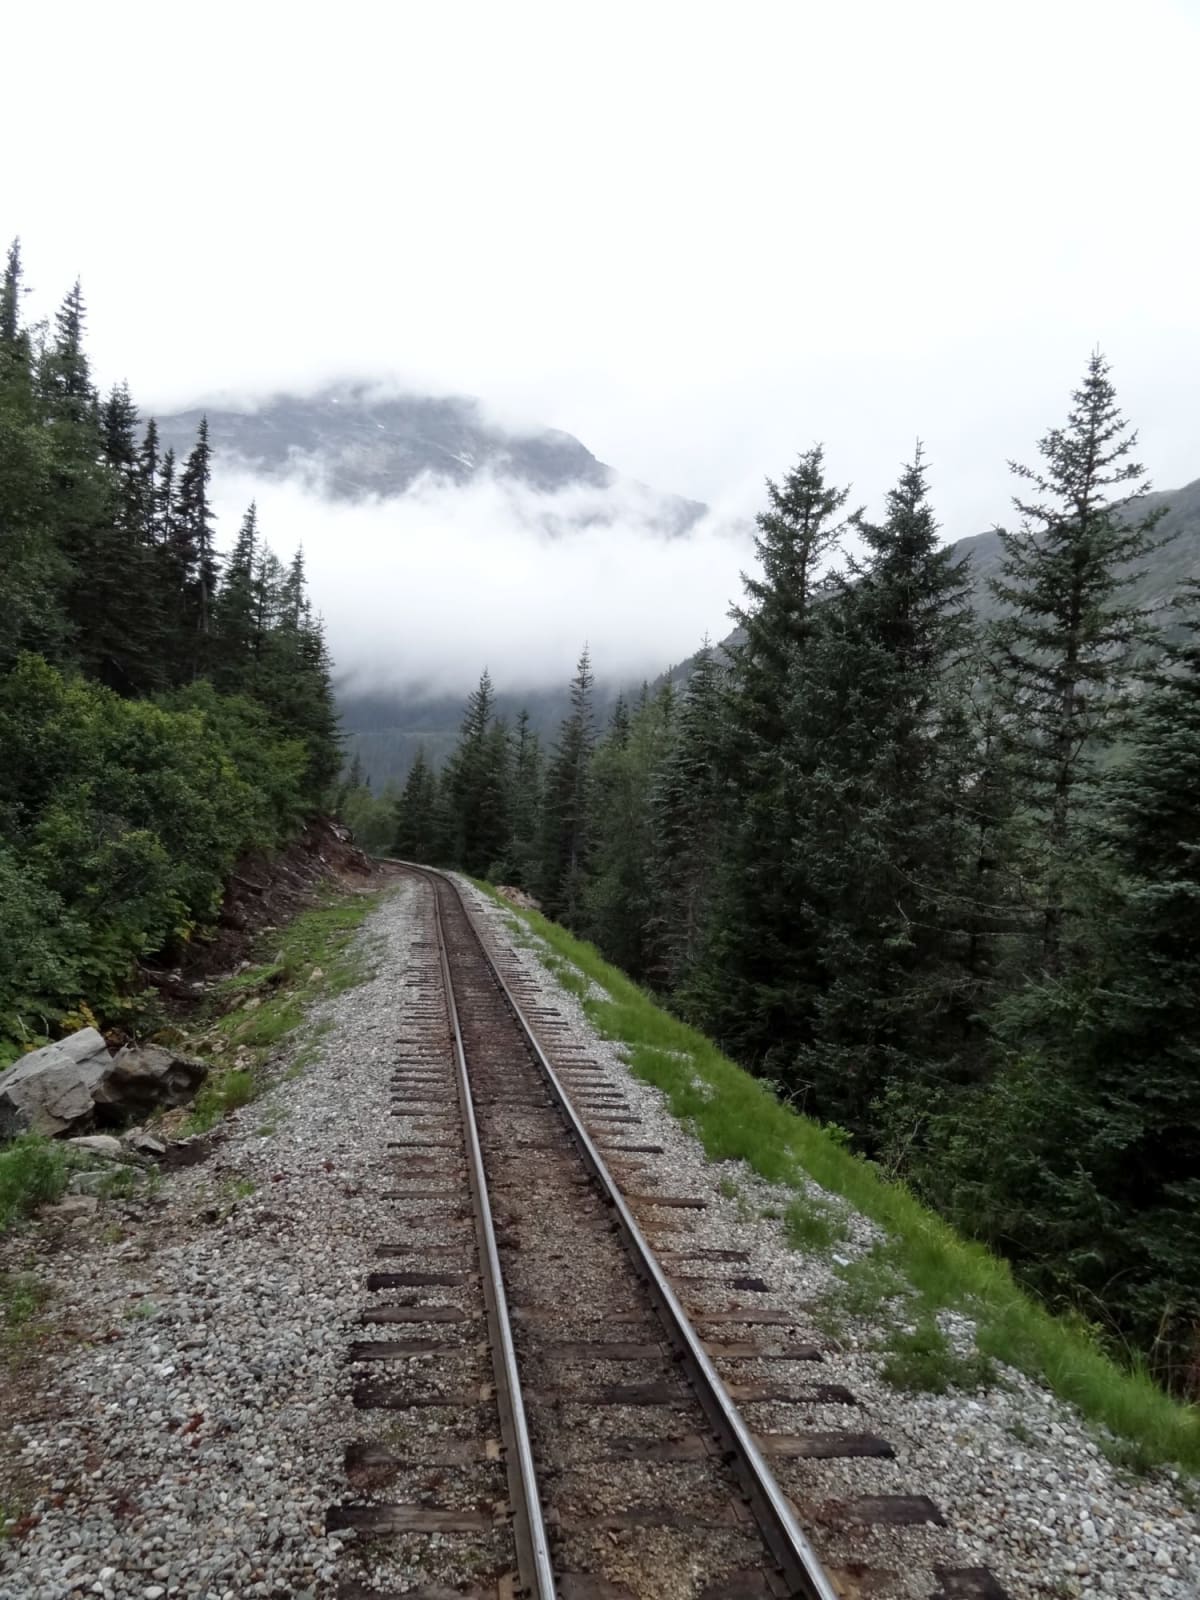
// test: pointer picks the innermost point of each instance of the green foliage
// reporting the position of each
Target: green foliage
(811, 1225)
(122, 819)
(371, 818)
(121, 813)
(223, 1092)
(33, 1171)
(923, 1359)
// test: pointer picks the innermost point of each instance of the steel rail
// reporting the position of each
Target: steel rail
(798, 1561)
(533, 1547)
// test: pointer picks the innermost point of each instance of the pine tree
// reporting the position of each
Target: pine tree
(687, 807)
(235, 610)
(10, 300)
(617, 897)
(744, 985)
(879, 759)
(566, 818)
(1067, 642)
(476, 783)
(1094, 1120)
(194, 552)
(796, 533)
(34, 570)
(416, 837)
(525, 805)
(165, 490)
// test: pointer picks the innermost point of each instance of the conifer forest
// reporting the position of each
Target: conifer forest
(937, 880)
(162, 711)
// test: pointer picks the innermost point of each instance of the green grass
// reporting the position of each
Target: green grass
(220, 1094)
(812, 1225)
(32, 1171)
(314, 958)
(922, 1358)
(22, 1299)
(737, 1118)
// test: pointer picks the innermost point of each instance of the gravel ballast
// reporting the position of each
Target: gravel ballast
(187, 1417)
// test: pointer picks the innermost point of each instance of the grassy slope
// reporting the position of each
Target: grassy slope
(738, 1118)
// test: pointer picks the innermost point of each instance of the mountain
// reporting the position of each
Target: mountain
(1176, 559)
(354, 442)
(1174, 562)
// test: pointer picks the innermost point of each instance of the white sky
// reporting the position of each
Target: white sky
(698, 236)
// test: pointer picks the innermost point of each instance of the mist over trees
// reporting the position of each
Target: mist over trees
(936, 879)
(161, 710)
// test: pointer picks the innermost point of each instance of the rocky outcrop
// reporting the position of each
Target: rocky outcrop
(51, 1090)
(65, 1087)
(143, 1076)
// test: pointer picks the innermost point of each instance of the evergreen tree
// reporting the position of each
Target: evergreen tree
(1067, 642)
(795, 534)
(165, 490)
(33, 569)
(1093, 1124)
(416, 836)
(525, 805)
(12, 334)
(755, 961)
(235, 623)
(194, 553)
(476, 783)
(687, 804)
(617, 899)
(878, 757)
(566, 816)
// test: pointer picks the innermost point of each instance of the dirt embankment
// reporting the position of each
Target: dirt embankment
(265, 891)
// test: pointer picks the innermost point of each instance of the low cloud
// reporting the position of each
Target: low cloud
(427, 589)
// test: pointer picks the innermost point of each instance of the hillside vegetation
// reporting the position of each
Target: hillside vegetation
(933, 878)
(161, 710)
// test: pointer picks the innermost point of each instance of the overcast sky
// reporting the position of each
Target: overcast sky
(698, 236)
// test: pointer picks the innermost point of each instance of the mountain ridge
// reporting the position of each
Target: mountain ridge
(355, 442)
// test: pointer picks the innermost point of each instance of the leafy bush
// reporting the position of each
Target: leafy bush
(32, 1171)
(121, 820)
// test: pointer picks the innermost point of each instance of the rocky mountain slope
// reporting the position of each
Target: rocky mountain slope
(352, 441)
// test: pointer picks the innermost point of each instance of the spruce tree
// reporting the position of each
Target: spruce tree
(878, 760)
(12, 334)
(35, 571)
(525, 806)
(1067, 641)
(193, 548)
(476, 783)
(687, 803)
(416, 814)
(567, 819)
(1093, 1120)
(745, 984)
(617, 898)
(796, 533)
(235, 610)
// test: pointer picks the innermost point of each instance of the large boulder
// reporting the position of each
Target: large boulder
(51, 1090)
(143, 1076)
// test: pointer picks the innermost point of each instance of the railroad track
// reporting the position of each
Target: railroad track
(547, 1417)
